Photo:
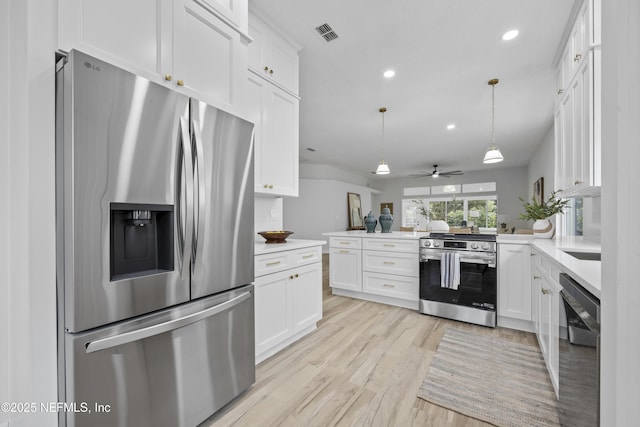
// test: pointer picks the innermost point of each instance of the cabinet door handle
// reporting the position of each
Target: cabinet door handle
(295, 275)
(577, 182)
(307, 256)
(266, 68)
(388, 245)
(545, 291)
(180, 82)
(291, 277)
(342, 251)
(344, 243)
(536, 277)
(168, 77)
(386, 285)
(560, 91)
(270, 264)
(577, 57)
(389, 263)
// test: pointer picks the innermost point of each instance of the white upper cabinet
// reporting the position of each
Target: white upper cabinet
(577, 115)
(273, 56)
(194, 46)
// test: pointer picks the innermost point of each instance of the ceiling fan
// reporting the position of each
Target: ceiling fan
(436, 173)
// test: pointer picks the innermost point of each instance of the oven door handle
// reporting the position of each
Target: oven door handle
(490, 261)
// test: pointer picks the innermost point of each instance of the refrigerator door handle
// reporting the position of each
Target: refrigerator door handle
(186, 235)
(140, 334)
(199, 155)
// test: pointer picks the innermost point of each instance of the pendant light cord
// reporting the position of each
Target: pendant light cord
(493, 115)
(382, 135)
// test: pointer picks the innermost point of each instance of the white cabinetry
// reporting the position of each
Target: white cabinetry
(194, 46)
(514, 286)
(376, 269)
(273, 56)
(274, 108)
(546, 293)
(345, 263)
(276, 117)
(577, 116)
(288, 299)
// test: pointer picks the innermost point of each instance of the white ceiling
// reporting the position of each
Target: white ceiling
(444, 52)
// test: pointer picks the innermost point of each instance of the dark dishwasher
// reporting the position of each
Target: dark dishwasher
(579, 381)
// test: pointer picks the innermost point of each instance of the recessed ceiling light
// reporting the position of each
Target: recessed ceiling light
(451, 126)
(389, 73)
(510, 35)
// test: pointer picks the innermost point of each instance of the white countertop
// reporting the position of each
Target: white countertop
(587, 273)
(267, 248)
(393, 235)
(516, 239)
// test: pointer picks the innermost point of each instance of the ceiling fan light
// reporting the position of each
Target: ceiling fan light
(383, 169)
(493, 155)
(435, 174)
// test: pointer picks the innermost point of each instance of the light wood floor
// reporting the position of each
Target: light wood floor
(362, 366)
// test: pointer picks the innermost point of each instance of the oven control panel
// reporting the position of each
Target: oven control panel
(458, 245)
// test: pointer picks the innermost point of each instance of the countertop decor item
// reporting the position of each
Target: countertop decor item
(275, 236)
(370, 222)
(386, 220)
(438, 225)
(541, 212)
(354, 211)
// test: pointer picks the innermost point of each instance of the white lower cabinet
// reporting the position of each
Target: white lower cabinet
(288, 302)
(546, 294)
(345, 263)
(376, 269)
(514, 286)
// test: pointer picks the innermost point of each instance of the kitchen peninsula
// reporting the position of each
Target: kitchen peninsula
(380, 267)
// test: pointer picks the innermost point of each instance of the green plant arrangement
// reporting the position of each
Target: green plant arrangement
(534, 210)
(422, 210)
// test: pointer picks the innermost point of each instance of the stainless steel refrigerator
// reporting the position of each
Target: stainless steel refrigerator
(155, 243)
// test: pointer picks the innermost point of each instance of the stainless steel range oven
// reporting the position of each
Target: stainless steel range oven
(458, 277)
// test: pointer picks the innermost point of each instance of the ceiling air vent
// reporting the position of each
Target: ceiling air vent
(326, 32)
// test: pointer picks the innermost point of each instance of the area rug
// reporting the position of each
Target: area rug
(491, 379)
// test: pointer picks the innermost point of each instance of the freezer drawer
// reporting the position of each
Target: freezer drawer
(173, 368)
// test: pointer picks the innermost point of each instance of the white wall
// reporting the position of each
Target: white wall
(322, 207)
(4, 213)
(542, 165)
(27, 252)
(313, 171)
(511, 183)
(620, 370)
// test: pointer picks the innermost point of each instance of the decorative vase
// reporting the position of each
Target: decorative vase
(370, 222)
(386, 220)
(438, 225)
(543, 228)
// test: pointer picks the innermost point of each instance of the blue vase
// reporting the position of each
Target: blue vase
(386, 220)
(370, 222)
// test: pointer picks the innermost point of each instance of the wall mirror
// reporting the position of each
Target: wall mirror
(354, 207)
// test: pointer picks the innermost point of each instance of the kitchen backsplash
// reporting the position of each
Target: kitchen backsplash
(268, 214)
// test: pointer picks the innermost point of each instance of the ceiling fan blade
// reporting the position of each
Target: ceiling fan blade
(420, 175)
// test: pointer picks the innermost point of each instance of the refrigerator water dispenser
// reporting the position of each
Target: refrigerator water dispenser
(141, 240)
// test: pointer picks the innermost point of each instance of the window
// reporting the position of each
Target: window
(480, 211)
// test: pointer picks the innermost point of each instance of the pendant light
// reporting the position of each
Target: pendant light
(383, 168)
(493, 154)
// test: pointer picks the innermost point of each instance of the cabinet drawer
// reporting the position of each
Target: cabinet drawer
(390, 245)
(272, 263)
(278, 261)
(345, 242)
(405, 264)
(391, 286)
(306, 256)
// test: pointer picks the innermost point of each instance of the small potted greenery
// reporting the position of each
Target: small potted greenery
(540, 212)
